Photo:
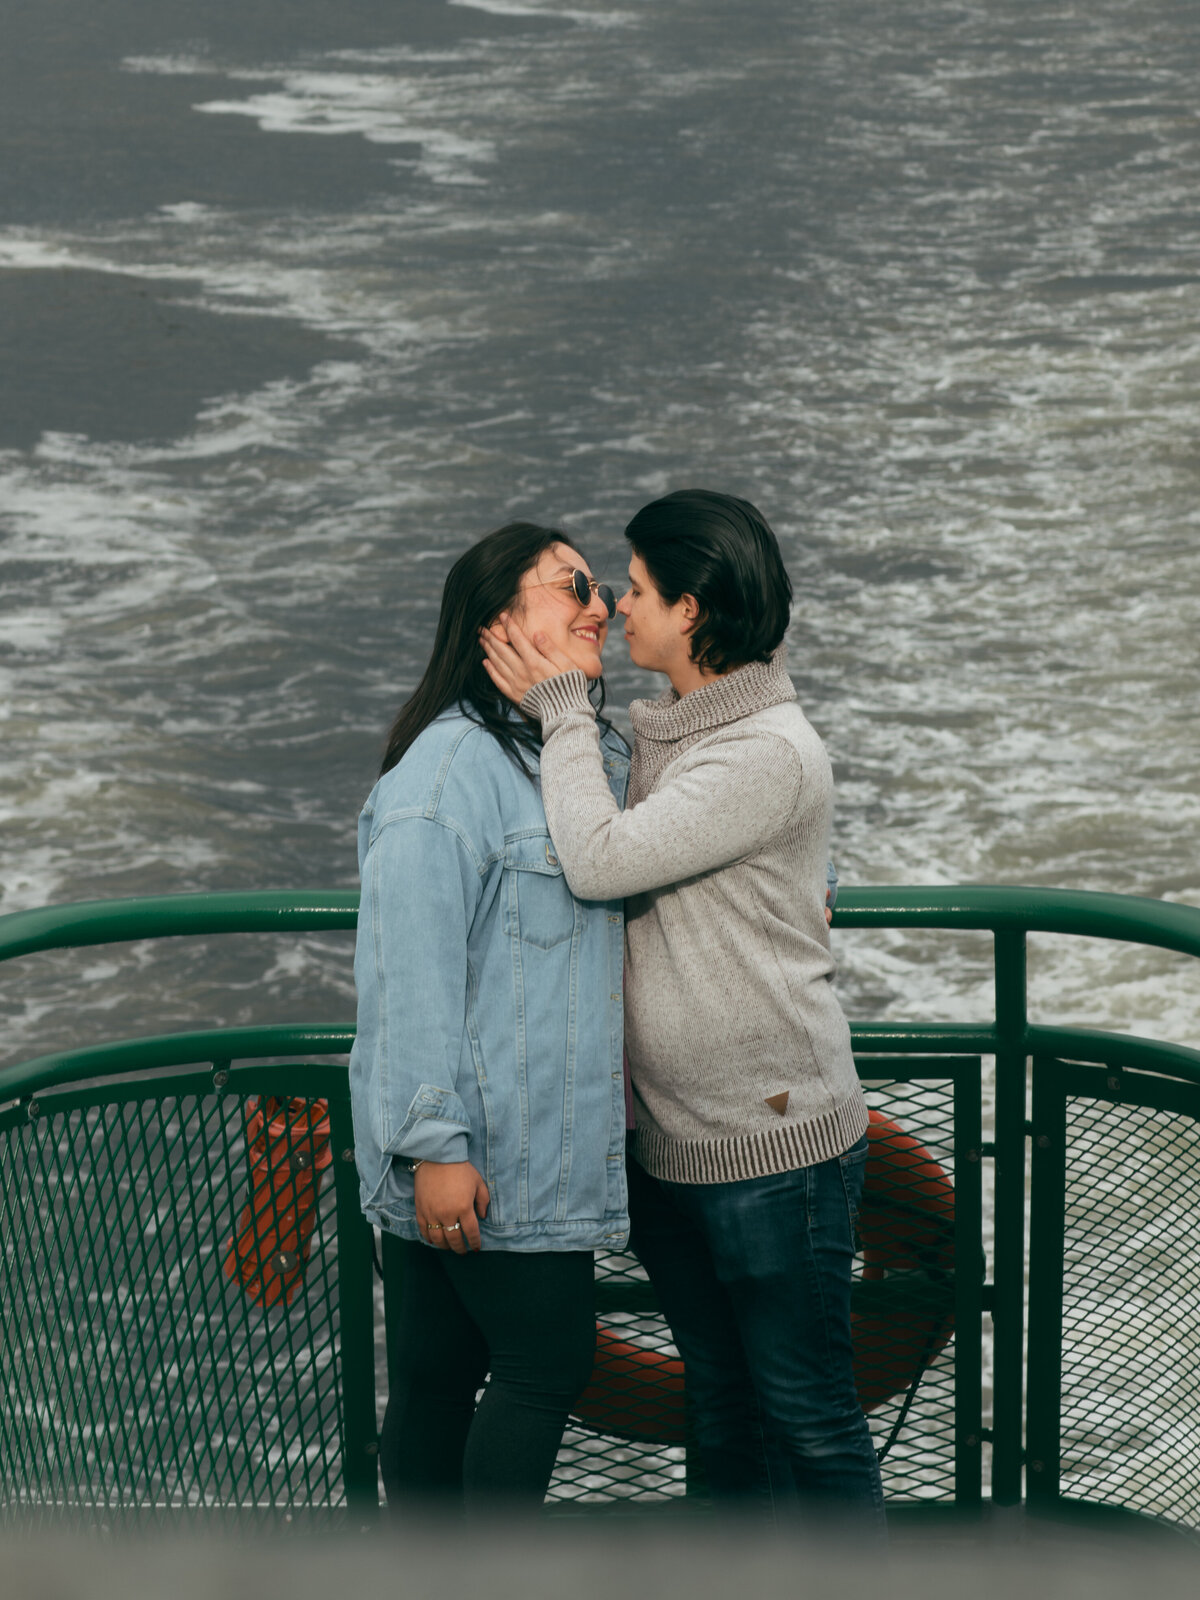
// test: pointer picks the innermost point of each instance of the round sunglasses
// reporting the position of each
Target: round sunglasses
(584, 588)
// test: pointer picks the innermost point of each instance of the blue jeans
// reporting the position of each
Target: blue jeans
(754, 1280)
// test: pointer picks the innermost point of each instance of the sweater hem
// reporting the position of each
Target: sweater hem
(752, 1155)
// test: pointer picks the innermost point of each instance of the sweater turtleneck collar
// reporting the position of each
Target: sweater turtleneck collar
(737, 694)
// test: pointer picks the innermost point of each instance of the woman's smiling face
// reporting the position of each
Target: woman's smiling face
(547, 604)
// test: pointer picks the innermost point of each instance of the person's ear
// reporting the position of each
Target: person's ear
(689, 612)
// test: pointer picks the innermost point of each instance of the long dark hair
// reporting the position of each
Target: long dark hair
(721, 550)
(482, 583)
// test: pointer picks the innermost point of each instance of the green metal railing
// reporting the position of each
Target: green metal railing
(147, 1372)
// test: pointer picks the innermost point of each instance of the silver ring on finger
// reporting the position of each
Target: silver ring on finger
(453, 1227)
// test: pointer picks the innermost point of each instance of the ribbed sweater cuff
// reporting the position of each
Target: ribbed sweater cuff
(555, 698)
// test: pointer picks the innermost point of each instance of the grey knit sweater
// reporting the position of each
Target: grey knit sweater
(739, 1051)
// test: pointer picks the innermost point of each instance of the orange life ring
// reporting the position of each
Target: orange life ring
(905, 1225)
(287, 1146)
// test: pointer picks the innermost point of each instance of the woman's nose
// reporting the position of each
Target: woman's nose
(625, 604)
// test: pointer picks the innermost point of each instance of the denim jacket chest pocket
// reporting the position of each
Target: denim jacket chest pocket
(539, 909)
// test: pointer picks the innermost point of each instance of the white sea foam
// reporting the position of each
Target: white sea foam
(168, 66)
(33, 631)
(189, 211)
(248, 282)
(382, 110)
(473, 51)
(21, 249)
(601, 18)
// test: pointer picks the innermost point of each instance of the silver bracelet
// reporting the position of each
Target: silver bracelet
(413, 1165)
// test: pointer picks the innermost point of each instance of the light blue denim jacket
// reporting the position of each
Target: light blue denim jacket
(489, 1001)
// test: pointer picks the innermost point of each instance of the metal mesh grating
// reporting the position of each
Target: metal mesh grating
(903, 1309)
(627, 1437)
(143, 1379)
(629, 1440)
(139, 1377)
(1131, 1311)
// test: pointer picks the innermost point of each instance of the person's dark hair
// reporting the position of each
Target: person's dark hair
(482, 583)
(721, 550)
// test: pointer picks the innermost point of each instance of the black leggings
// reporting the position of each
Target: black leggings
(528, 1318)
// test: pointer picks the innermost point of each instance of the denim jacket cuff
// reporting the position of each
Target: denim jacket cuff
(435, 1129)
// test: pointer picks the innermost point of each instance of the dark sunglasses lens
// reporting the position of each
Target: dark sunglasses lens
(582, 586)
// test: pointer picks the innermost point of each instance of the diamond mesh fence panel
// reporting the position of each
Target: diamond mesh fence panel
(1130, 1377)
(905, 1350)
(169, 1327)
(151, 1243)
(628, 1438)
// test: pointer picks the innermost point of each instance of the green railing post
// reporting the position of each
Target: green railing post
(356, 1305)
(1047, 1229)
(1008, 1268)
(968, 1287)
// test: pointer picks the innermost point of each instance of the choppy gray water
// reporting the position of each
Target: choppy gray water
(297, 301)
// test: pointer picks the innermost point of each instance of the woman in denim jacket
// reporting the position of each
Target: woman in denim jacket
(486, 1075)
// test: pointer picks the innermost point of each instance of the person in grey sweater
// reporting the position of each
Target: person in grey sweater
(748, 1157)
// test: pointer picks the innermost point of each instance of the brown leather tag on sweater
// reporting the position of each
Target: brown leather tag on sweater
(778, 1102)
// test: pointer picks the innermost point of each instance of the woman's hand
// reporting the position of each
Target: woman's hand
(515, 662)
(450, 1196)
